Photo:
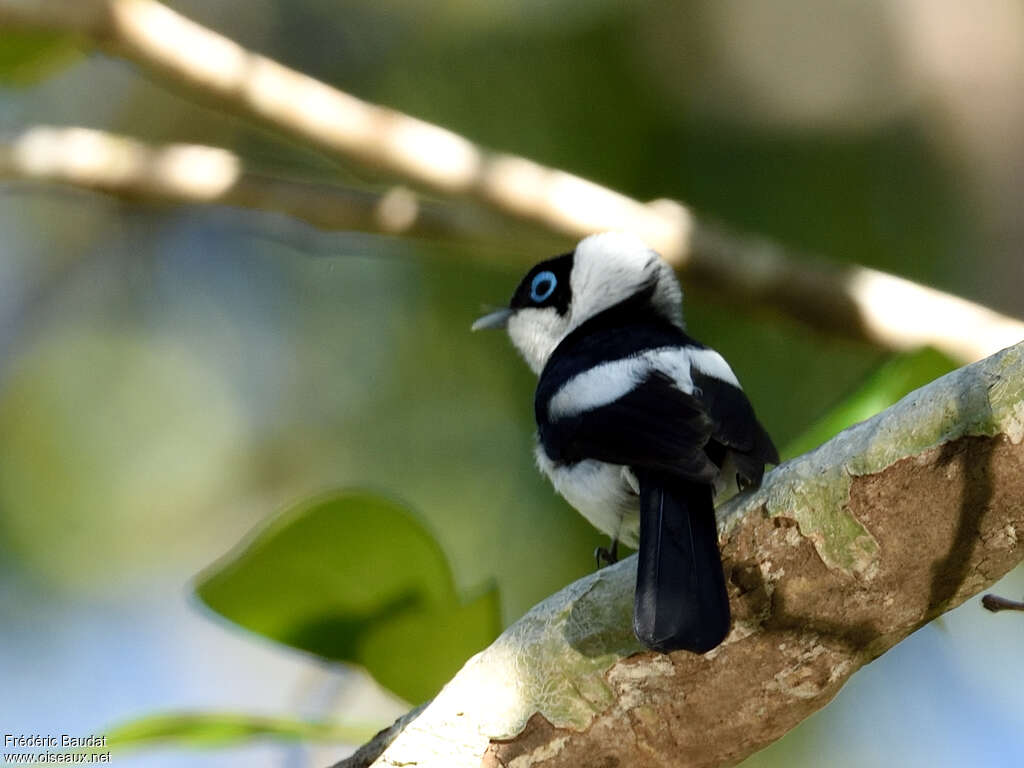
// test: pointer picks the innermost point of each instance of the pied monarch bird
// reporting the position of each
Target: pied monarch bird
(637, 425)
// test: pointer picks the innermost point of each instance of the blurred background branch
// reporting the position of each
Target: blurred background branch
(189, 173)
(861, 303)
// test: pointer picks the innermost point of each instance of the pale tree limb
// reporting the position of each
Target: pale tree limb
(860, 303)
(227, 75)
(371, 750)
(840, 554)
(85, 158)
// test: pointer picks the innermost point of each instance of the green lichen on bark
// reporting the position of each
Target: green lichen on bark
(817, 502)
(561, 649)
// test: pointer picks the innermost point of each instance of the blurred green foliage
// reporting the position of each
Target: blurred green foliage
(885, 386)
(111, 443)
(28, 56)
(225, 729)
(355, 577)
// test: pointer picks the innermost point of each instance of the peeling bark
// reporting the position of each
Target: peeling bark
(840, 554)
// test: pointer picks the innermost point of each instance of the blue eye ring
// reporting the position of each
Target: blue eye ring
(543, 286)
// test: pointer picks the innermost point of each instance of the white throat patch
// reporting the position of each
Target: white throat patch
(535, 332)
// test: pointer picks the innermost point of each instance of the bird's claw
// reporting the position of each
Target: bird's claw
(607, 556)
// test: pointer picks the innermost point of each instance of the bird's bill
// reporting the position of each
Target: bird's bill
(497, 319)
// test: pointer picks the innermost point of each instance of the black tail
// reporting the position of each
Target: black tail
(681, 601)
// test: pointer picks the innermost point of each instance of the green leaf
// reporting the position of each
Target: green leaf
(27, 57)
(390, 649)
(224, 729)
(890, 382)
(355, 577)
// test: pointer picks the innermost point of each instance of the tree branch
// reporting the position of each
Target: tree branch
(371, 750)
(840, 554)
(190, 173)
(852, 301)
(240, 81)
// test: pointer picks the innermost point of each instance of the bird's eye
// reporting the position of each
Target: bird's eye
(543, 286)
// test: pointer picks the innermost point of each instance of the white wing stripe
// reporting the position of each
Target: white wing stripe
(710, 363)
(606, 383)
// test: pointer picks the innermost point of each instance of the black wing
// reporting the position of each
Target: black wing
(735, 426)
(655, 426)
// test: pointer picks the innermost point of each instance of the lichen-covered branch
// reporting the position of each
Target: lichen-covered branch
(852, 301)
(839, 555)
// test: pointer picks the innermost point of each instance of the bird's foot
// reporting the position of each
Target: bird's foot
(607, 556)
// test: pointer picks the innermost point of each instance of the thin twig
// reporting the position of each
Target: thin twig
(995, 603)
(855, 302)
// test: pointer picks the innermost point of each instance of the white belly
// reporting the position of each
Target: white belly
(603, 493)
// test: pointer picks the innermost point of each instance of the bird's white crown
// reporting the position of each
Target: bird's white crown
(610, 267)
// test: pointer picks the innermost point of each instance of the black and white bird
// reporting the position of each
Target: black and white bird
(638, 425)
